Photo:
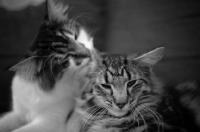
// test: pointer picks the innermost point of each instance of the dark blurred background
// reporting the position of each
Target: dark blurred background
(121, 26)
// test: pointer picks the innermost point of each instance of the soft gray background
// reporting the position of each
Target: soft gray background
(122, 26)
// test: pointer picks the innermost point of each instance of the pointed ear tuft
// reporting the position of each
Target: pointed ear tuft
(57, 11)
(151, 57)
(20, 65)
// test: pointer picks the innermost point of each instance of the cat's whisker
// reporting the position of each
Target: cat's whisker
(145, 124)
(69, 11)
(135, 117)
(48, 57)
(155, 119)
(157, 115)
(87, 121)
(159, 120)
(75, 17)
(93, 117)
(81, 115)
(103, 112)
(51, 67)
(29, 58)
(60, 63)
(72, 21)
(16, 52)
(147, 103)
(85, 15)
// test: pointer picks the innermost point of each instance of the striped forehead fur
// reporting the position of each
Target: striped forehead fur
(122, 66)
(109, 76)
(113, 70)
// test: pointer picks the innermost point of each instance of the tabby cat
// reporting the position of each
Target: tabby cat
(46, 80)
(122, 94)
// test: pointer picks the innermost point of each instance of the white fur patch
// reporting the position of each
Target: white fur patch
(85, 39)
(44, 111)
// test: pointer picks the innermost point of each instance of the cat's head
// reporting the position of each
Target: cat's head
(60, 42)
(123, 85)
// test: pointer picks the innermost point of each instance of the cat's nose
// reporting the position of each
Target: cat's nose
(121, 105)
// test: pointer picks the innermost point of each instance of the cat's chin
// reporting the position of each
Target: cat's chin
(117, 113)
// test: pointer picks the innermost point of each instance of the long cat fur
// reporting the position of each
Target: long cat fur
(43, 90)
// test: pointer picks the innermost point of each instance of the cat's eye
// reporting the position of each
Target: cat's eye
(133, 91)
(97, 87)
(131, 83)
(106, 86)
(139, 85)
(136, 88)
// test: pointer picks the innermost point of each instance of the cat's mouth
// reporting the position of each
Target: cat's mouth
(119, 114)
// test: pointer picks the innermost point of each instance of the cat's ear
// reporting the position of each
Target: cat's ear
(151, 57)
(57, 11)
(19, 66)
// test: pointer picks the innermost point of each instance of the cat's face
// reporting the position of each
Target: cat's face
(123, 85)
(56, 47)
(120, 85)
